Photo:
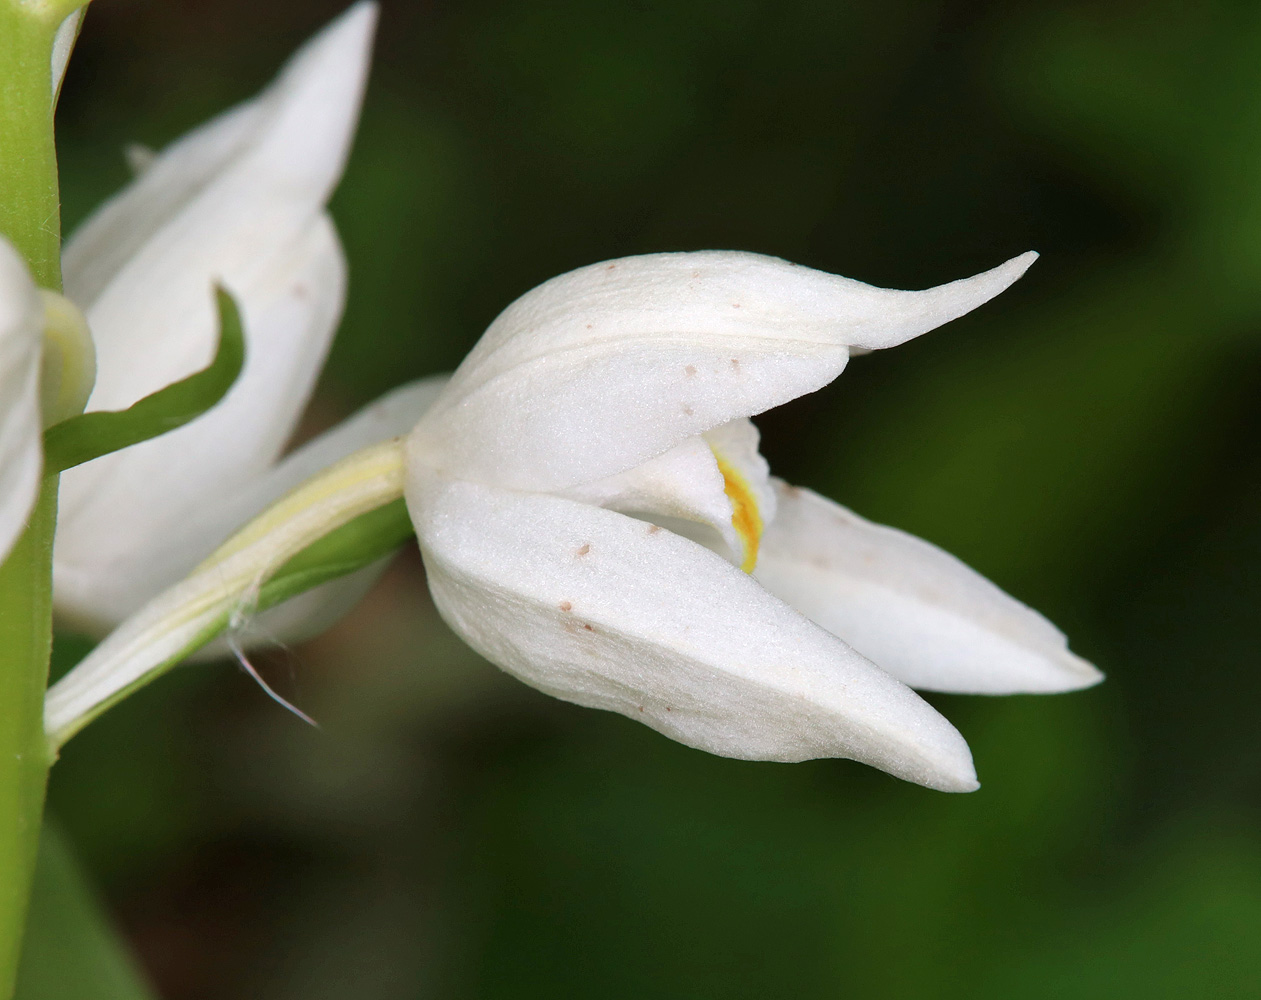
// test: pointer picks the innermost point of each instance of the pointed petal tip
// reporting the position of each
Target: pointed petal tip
(1017, 266)
(1079, 674)
(900, 316)
(359, 18)
(953, 769)
(342, 47)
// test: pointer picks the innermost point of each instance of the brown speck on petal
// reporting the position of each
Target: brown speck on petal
(735, 362)
(653, 528)
(587, 627)
(586, 547)
(610, 267)
(735, 305)
(566, 606)
(687, 411)
(690, 370)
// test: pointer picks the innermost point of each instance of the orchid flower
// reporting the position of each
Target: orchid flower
(595, 519)
(611, 403)
(239, 200)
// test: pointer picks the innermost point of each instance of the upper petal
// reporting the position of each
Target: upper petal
(21, 325)
(227, 203)
(915, 610)
(603, 368)
(606, 611)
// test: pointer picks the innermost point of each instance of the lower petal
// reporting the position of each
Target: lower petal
(917, 611)
(606, 611)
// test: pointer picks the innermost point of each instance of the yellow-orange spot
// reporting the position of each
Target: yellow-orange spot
(745, 517)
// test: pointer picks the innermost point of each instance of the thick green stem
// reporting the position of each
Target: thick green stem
(25, 644)
(30, 218)
(30, 208)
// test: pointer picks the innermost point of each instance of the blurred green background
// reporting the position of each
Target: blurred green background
(1089, 441)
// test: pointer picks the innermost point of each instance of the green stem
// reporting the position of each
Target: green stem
(25, 644)
(30, 208)
(30, 218)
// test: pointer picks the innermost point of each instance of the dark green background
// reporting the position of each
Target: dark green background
(1089, 441)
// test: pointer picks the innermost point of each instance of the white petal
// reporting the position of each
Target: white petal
(180, 619)
(228, 203)
(601, 369)
(736, 443)
(915, 610)
(241, 202)
(170, 180)
(101, 578)
(127, 519)
(21, 333)
(688, 490)
(609, 612)
(681, 490)
(311, 613)
(63, 45)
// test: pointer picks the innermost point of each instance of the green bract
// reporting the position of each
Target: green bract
(91, 435)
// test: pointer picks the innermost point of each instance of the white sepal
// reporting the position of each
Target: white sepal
(610, 612)
(185, 616)
(603, 368)
(310, 613)
(21, 335)
(915, 610)
(239, 201)
(272, 160)
(85, 603)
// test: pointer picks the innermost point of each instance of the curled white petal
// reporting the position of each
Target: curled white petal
(601, 369)
(609, 612)
(913, 609)
(21, 323)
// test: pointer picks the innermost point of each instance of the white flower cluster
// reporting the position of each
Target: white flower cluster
(591, 506)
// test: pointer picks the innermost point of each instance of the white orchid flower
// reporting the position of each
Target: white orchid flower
(612, 402)
(21, 333)
(241, 201)
(595, 519)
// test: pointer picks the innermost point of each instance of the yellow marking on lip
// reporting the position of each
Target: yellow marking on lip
(745, 517)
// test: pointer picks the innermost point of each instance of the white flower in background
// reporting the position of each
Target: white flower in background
(611, 403)
(21, 333)
(594, 518)
(240, 201)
